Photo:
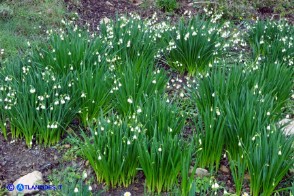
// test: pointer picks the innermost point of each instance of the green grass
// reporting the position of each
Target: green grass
(28, 22)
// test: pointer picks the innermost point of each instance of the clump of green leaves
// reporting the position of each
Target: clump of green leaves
(204, 186)
(271, 40)
(69, 50)
(70, 181)
(130, 39)
(134, 84)
(212, 126)
(238, 167)
(94, 86)
(211, 119)
(158, 115)
(111, 150)
(160, 160)
(244, 120)
(274, 80)
(187, 171)
(37, 102)
(3, 126)
(167, 5)
(194, 45)
(3, 191)
(249, 99)
(270, 156)
(223, 90)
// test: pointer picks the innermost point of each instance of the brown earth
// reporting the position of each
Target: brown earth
(18, 160)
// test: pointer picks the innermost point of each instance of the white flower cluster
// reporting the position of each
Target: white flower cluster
(7, 96)
(53, 125)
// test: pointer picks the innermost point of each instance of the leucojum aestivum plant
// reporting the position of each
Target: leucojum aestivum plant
(111, 149)
(195, 44)
(210, 121)
(161, 116)
(270, 156)
(94, 85)
(160, 159)
(37, 103)
(136, 83)
(131, 38)
(272, 40)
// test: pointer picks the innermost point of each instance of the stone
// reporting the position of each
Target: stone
(289, 126)
(137, 2)
(224, 169)
(200, 172)
(105, 20)
(66, 145)
(108, 3)
(34, 178)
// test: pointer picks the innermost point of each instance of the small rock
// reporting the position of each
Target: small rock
(108, 3)
(87, 163)
(34, 178)
(190, 4)
(105, 20)
(66, 145)
(289, 128)
(200, 172)
(137, 2)
(224, 169)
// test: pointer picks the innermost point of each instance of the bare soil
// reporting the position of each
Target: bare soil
(17, 160)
